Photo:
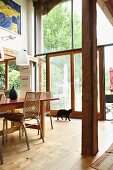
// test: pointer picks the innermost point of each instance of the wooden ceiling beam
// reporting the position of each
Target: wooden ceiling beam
(107, 9)
(109, 6)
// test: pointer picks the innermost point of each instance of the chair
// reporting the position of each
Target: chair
(3, 97)
(30, 111)
(2, 114)
(14, 117)
(47, 106)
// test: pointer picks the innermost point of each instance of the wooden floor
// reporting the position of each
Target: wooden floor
(61, 150)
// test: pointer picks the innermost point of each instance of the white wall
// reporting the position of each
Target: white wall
(25, 40)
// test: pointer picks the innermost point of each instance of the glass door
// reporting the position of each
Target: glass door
(64, 80)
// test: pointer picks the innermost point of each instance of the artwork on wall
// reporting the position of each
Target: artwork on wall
(10, 16)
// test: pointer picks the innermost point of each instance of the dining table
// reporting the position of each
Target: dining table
(11, 105)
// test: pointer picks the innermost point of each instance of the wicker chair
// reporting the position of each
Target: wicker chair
(30, 111)
(2, 96)
(14, 117)
(47, 106)
(2, 99)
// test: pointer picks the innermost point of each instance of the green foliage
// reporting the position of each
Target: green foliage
(2, 75)
(107, 82)
(77, 35)
(14, 79)
(13, 75)
(57, 30)
(13, 66)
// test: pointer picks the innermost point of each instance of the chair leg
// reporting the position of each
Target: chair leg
(1, 155)
(51, 121)
(26, 135)
(38, 132)
(6, 128)
(4, 122)
(37, 124)
(20, 132)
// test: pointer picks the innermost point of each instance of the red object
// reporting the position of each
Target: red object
(111, 79)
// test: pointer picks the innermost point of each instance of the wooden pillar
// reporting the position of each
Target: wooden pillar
(89, 68)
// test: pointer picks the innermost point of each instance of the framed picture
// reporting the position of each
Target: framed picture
(10, 16)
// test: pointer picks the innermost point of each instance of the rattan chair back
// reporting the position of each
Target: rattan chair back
(2, 96)
(32, 105)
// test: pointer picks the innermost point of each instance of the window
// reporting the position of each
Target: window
(62, 30)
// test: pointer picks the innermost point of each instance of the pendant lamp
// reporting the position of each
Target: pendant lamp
(1, 53)
(22, 58)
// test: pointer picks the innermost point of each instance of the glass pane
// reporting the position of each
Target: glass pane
(77, 23)
(60, 85)
(14, 75)
(104, 28)
(57, 28)
(109, 81)
(78, 81)
(43, 74)
(108, 65)
(2, 76)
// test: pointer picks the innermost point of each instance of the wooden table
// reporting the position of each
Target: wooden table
(42, 100)
(19, 103)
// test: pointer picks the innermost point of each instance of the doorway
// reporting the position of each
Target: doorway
(64, 80)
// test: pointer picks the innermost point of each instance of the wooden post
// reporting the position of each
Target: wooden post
(89, 68)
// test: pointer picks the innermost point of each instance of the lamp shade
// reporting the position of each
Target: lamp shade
(1, 54)
(22, 58)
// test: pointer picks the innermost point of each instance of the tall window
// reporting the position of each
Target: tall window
(62, 27)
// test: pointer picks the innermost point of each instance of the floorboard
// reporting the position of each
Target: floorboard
(61, 150)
